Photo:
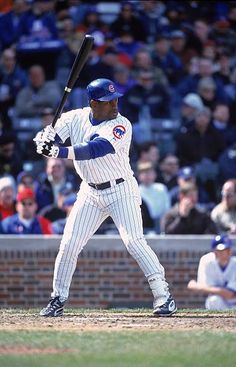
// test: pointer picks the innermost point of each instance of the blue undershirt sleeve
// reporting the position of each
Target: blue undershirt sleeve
(96, 148)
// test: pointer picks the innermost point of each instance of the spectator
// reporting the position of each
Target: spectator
(191, 105)
(202, 141)
(230, 91)
(72, 42)
(25, 221)
(189, 84)
(201, 147)
(222, 124)
(178, 46)
(164, 58)
(110, 43)
(227, 164)
(127, 44)
(224, 214)
(216, 276)
(10, 157)
(207, 91)
(149, 152)
(47, 116)
(155, 195)
(38, 24)
(142, 60)
(67, 204)
(185, 175)
(92, 24)
(186, 217)
(32, 99)
(122, 78)
(52, 181)
(7, 197)
(169, 167)
(101, 65)
(144, 102)
(75, 9)
(129, 23)
(224, 67)
(210, 51)
(9, 25)
(200, 36)
(12, 80)
(151, 15)
(224, 33)
(26, 179)
(56, 211)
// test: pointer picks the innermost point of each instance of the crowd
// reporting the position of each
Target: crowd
(174, 62)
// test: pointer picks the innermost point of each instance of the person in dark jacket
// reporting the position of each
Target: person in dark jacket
(52, 181)
(185, 217)
(200, 147)
(199, 142)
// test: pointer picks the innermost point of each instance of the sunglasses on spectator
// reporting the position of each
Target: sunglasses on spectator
(27, 203)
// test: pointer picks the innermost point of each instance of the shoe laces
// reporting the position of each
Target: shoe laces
(54, 304)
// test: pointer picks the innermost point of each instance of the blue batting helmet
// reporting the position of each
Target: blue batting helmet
(221, 242)
(102, 90)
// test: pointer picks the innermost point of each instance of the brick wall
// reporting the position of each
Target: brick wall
(106, 275)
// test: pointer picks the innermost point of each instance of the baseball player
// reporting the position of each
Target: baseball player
(217, 275)
(100, 139)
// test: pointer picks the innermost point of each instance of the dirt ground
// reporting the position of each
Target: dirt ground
(107, 320)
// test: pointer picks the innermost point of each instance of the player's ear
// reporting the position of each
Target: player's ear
(93, 103)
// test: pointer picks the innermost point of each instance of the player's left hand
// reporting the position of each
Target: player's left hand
(48, 149)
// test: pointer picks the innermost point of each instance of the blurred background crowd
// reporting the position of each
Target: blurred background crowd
(175, 63)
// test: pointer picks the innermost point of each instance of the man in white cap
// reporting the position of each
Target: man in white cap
(191, 104)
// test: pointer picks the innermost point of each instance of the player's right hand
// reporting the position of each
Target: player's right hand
(48, 149)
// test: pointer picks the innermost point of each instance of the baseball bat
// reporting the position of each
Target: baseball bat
(78, 65)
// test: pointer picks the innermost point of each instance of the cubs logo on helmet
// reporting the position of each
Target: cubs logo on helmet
(119, 131)
(111, 88)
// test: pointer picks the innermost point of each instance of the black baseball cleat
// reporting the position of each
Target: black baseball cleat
(55, 308)
(167, 309)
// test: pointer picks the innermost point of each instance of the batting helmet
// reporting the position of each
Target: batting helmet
(221, 242)
(102, 90)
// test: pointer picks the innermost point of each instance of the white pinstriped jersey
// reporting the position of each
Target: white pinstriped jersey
(76, 125)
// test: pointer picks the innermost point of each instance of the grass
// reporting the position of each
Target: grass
(119, 348)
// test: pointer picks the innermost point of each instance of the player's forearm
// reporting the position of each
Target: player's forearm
(205, 289)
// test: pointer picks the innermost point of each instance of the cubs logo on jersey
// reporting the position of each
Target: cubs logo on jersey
(119, 131)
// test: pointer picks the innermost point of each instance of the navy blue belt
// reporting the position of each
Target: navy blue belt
(105, 185)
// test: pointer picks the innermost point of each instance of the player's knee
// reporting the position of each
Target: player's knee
(136, 245)
(68, 251)
(215, 302)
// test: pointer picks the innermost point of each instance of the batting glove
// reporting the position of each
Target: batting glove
(48, 149)
(38, 137)
(48, 134)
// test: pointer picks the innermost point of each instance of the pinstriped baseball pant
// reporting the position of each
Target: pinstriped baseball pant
(92, 207)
